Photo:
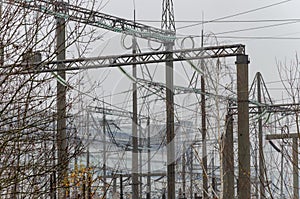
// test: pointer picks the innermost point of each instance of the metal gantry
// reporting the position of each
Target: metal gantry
(82, 15)
(294, 137)
(139, 58)
(237, 50)
(94, 18)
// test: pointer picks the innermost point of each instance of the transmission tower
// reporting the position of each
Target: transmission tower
(168, 22)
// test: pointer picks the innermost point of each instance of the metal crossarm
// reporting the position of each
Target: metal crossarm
(142, 58)
(113, 112)
(284, 109)
(95, 18)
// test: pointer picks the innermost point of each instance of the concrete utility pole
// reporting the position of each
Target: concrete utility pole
(203, 129)
(244, 185)
(168, 24)
(228, 158)
(295, 137)
(61, 136)
(170, 125)
(134, 171)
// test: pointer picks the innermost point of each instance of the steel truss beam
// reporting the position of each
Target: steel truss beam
(114, 112)
(284, 109)
(97, 19)
(141, 58)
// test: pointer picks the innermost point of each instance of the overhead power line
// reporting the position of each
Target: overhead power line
(235, 15)
(259, 37)
(256, 28)
(225, 21)
(247, 37)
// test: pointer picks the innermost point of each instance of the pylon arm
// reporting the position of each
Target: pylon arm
(142, 58)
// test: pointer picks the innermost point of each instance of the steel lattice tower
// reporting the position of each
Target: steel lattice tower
(168, 22)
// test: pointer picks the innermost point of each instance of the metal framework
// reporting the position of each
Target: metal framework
(141, 58)
(83, 15)
(285, 109)
(294, 137)
(237, 50)
(168, 21)
(114, 112)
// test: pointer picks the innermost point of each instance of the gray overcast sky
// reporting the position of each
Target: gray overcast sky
(213, 9)
(262, 52)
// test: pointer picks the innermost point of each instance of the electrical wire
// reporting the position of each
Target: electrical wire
(257, 28)
(237, 14)
(228, 21)
(259, 37)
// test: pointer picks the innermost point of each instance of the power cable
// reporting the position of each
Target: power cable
(256, 28)
(246, 37)
(237, 14)
(225, 21)
(259, 37)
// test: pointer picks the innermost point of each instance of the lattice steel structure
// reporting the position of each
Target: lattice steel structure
(140, 58)
(97, 19)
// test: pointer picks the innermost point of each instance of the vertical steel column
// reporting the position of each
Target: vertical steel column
(244, 185)
(88, 177)
(228, 159)
(170, 123)
(121, 187)
(140, 160)
(213, 176)
(104, 154)
(260, 141)
(87, 193)
(281, 173)
(191, 171)
(183, 170)
(149, 161)
(61, 136)
(114, 192)
(295, 169)
(134, 171)
(53, 174)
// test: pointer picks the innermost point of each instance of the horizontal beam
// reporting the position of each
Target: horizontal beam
(114, 112)
(96, 19)
(139, 174)
(129, 59)
(282, 136)
(285, 109)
